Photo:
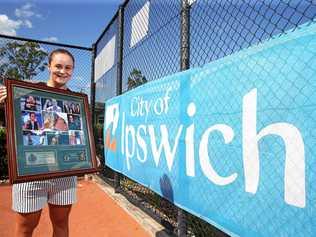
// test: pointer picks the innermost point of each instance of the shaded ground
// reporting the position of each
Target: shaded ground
(95, 214)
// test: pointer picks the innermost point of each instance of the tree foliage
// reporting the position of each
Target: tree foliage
(135, 79)
(21, 60)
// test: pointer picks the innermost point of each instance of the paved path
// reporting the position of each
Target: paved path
(95, 214)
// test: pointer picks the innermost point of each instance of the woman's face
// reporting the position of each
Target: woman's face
(30, 100)
(32, 117)
(60, 124)
(54, 140)
(61, 68)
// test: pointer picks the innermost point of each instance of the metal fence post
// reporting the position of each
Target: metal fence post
(184, 65)
(120, 50)
(185, 36)
(92, 88)
(119, 74)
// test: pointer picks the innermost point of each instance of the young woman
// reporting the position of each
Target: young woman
(60, 193)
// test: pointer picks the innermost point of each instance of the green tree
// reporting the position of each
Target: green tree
(135, 79)
(21, 60)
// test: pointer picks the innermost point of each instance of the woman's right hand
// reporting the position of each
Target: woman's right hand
(3, 94)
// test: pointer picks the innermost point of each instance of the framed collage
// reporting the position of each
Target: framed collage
(49, 132)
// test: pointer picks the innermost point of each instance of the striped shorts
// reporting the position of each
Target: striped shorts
(32, 196)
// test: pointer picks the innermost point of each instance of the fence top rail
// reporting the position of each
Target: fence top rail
(45, 42)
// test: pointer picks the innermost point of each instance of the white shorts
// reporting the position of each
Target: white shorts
(33, 196)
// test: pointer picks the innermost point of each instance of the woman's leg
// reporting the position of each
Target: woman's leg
(60, 199)
(59, 215)
(28, 199)
(26, 223)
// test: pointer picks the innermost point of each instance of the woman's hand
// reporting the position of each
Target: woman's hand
(98, 161)
(3, 94)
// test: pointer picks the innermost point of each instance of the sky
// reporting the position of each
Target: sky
(75, 22)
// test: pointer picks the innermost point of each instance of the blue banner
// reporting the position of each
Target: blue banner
(232, 142)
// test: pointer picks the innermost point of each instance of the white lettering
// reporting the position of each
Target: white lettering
(294, 177)
(206, 166)
(136, 139)
(166, 100)
(158, 107)
(134, 106)
(142, 143)
(164, 145)
(129, 153)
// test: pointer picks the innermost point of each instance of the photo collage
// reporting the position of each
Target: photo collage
(49, 122)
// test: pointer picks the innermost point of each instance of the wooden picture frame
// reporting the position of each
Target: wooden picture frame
(49, 132)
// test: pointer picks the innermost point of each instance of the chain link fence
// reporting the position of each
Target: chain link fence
(151, 42)
(220, 28)
(157, 38)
